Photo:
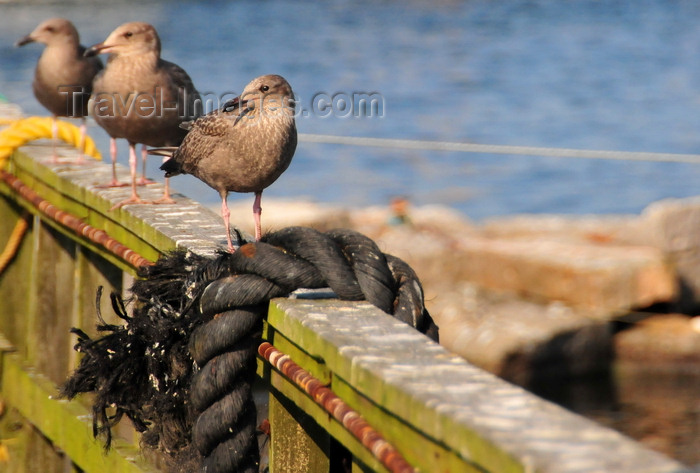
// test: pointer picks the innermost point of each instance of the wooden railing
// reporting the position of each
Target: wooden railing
(441, 413)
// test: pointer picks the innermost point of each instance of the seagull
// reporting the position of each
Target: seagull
(63, 77)
(141, 97)
(242, 147)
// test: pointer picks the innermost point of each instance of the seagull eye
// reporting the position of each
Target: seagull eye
(128, 34)
(50, 29)
(264, 88)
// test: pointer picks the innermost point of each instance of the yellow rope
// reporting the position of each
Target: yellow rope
(28, 129)
(13, 243)
(20, 132)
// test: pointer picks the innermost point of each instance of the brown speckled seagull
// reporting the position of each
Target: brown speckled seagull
(242, 147)
(63, 77)
(141, 97)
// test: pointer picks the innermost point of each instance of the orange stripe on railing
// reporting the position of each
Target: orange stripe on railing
(331, 403)
(93, 234)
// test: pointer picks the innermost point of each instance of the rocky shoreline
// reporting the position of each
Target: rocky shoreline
(519, 291)
(597, 313)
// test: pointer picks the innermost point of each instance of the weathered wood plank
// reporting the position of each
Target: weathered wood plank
(315, 366)
(300, 445)
(479, 418)
(66, 424)
(94, 271)
(23, 204)
(14, 282)
(283, 390)
(147, 229)
(54, 295)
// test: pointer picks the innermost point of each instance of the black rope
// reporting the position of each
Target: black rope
(224, 431)
(181, 366)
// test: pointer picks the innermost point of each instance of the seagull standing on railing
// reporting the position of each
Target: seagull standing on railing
(243, 147)
(63, 77)
(141, 97)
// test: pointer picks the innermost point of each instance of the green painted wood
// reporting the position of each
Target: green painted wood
(66, 424)
(313, 365)
(27, 450)
(298, 444)
(14, 282)
(50, 186)
(94, 271)
(148, 230)
(95, 210)
(415, 445)
(51, 287)
(440, 412)
(16, 200)
(55, 296)
(26, 345)
(282, 389)
(52, 283)
(6, 347)
(418, 446)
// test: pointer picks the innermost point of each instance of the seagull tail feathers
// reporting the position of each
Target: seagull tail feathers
(170, 166)
(166, 151)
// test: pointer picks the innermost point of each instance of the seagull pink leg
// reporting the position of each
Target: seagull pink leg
(166, 199)
(113, 156)
(226, 214)
(54, 138)
(142, 181)
(81, 146)
(257, 211)
(132, 169)
(134, 199)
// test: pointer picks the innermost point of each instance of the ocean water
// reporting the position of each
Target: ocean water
(617, 75)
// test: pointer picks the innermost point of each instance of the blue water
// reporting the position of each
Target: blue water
(617, 75)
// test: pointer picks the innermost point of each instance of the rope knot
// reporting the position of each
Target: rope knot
(181, 367)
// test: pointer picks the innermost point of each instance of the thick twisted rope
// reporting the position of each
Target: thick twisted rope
(348, 262)
(194, 331)
(224, 430)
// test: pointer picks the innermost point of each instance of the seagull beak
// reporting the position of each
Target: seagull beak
(231, 105)
(96, 49)
(26, 40)
(249, 101)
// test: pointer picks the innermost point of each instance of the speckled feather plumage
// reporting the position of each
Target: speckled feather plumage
(238, 149)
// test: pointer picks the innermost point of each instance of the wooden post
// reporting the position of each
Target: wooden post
(297, 443)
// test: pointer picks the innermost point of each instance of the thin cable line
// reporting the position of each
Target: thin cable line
(501, 149)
